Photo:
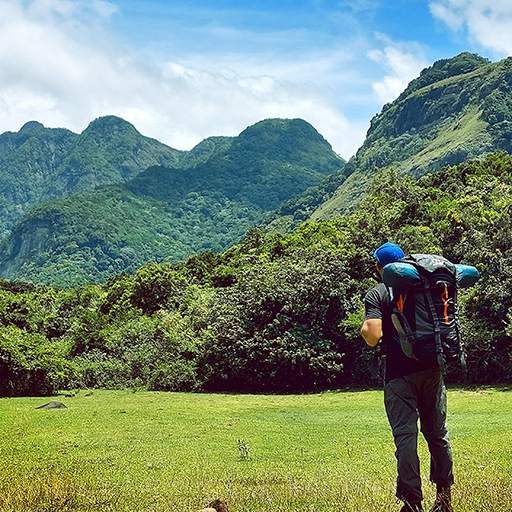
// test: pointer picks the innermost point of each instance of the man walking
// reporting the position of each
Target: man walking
(414, 390)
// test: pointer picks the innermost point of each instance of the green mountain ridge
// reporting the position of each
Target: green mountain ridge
(38, 164)
(457, 109)
(118, 199)
(222, 188)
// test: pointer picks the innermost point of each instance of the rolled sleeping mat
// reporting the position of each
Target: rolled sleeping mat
(467, 275)
(400, 275)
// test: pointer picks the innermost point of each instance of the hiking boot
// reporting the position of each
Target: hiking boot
(412, 507)
(443, 501)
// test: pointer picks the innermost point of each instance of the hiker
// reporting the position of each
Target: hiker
(414, 389)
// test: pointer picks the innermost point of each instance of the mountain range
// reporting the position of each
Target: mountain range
(457, 109)
(80, 208)
(38, 164)
(84, 207)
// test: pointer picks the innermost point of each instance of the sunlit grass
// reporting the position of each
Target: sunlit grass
(124, 451)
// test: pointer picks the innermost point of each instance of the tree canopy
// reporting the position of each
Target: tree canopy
(275, 313)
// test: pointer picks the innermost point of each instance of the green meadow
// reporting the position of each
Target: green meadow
(151, 451)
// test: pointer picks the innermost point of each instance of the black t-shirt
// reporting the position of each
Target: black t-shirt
(378, 304)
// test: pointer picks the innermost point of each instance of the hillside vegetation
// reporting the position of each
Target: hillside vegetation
(457, 109)
(275, 312)
(38, 164)
(207, 201)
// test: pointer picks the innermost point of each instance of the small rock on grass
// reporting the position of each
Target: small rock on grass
(54, 404)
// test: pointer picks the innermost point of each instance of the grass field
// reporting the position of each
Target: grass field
(125, 451)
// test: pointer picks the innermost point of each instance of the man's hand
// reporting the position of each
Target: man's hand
(372, 331)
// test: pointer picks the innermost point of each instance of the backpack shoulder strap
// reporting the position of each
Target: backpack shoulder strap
(435, 321)
(404, 330)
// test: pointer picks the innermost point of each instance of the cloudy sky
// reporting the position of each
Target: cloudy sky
(181, 71)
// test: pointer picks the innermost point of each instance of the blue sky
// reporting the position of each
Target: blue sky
(181, 71)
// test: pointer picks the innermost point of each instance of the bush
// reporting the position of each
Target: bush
(277, 329)
(30, 364)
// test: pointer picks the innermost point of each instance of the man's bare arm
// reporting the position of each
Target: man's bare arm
(372, 331)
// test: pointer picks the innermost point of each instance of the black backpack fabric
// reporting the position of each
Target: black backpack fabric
(425, 310)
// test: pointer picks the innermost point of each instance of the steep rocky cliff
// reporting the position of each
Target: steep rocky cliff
(457, 109)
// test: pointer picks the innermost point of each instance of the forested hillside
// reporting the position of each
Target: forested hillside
(38, 164)
(457, 109)
(276, 312)
(206, 201)
(82, 208)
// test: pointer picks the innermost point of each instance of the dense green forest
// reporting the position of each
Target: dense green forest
(275, 312)
(38, 164)
(206, 200)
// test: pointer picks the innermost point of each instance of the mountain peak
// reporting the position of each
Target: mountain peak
(274, 133)
(109, 126)
(31, 126)
(455, 110)
(461, 64)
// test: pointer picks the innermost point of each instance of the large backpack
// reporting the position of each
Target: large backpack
(423, 288)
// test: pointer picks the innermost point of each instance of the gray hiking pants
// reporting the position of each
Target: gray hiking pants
(420, 396)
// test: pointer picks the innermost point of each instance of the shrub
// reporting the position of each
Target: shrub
(30, 364)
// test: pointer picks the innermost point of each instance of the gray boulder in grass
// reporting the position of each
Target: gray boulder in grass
(54, 404)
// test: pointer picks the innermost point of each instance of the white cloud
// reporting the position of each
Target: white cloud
(230, 102)
(359, 5)
(40, 59)
(488, 22)
(401, 65)
(60, 66)
(71, 11)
